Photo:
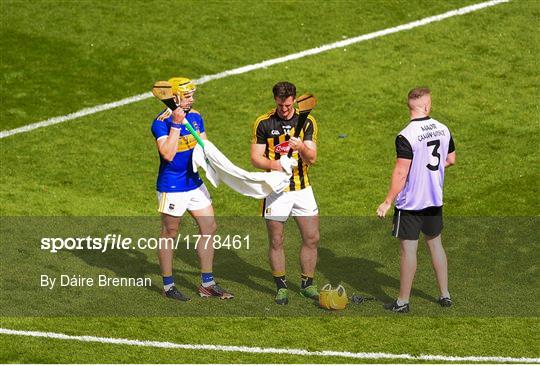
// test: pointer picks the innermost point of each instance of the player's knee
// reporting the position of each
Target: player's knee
(211, 228)
(433, 240)
(276, 242)
(311, 241)
(207, 225)
(169, 231)
(408, 249)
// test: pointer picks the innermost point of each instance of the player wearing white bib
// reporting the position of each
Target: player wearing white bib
(424, 149)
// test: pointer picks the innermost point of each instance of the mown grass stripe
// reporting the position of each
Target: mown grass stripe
(260, 65)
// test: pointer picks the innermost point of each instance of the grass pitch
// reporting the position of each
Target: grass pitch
(61, 57)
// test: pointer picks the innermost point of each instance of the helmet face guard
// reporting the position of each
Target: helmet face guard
(182, 88)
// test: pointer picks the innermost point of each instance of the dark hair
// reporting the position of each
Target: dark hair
(284, 89)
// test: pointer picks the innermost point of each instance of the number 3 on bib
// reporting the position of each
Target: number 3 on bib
(435, 153)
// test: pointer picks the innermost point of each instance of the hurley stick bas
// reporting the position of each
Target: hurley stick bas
(306, 103)
(163, 91)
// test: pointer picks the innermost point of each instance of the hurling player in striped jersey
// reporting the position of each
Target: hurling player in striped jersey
(273, 136)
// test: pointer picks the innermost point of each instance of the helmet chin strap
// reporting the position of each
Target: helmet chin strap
(186, 109)
(178, 101)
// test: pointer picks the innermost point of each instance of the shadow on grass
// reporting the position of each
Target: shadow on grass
(230, 267)
(130, 263)
(361, 275)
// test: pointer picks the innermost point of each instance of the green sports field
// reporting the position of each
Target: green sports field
(96, 174)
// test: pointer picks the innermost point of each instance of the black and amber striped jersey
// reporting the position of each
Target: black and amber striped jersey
(275, 132)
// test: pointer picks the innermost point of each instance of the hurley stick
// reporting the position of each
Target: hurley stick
(306, 103)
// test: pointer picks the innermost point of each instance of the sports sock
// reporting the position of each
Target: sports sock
(307, 280)
(168, 282)
(207, 279)
(280, 280)
(401, 302)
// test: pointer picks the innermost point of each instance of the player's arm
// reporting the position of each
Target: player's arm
(258, 148)
(259, 160)
(203, 136)
(451, 157)
(399, 178)
(306, 149)
(399, 174)
(167, 146)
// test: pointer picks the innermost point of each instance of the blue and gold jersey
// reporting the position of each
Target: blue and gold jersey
(177, 175)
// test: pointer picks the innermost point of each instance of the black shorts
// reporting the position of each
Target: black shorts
(408, 224)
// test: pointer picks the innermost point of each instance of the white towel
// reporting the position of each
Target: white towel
(220, 169)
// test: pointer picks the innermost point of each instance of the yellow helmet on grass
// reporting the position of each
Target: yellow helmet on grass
(182, 86)
(333, 299)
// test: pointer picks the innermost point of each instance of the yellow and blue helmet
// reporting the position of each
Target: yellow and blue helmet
(182, 86)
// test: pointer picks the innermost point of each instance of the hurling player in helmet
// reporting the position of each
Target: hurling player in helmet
(179, 189)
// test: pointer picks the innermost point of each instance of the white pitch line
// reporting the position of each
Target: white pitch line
(260, 350)
(260, 65)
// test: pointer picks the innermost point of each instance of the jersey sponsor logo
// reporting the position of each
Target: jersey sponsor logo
(275, 133)
(429, 127)
(430, 134)
(186, 142)
(282, 148)
(287, 129)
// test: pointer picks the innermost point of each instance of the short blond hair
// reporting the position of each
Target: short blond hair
(417, 93)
